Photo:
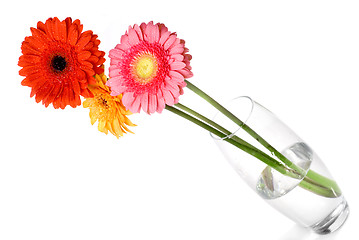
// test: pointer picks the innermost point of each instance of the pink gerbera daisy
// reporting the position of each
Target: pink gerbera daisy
(148, 68)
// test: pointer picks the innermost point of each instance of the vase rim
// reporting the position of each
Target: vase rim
(252, 102)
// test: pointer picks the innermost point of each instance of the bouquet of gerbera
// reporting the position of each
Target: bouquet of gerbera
(148, 71)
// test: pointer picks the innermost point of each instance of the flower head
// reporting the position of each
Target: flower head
(149, 67)
(59, 62)
(106, 109)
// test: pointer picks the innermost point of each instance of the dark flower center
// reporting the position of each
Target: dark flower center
(103, 102)
(58, 63)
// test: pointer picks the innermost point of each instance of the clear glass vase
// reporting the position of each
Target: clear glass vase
(310, 197)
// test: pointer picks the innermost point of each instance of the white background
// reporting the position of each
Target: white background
(60, 178)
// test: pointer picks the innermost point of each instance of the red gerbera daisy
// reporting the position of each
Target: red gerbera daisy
(59, 61)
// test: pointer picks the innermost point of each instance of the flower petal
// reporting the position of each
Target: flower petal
(152, 103)
(125, 41)
(73, 35)
(84, 55)
(177, 65)
(174, 74)
(164, 37)
(144, 102)
(171, 39)
(177, 57)
(152, 33)
(136, 105)
(116, 53)
(177, 49)
(169, 99)
(127, 99)
(84, 39)
(133, 37)
(160, 102)
(138, 31)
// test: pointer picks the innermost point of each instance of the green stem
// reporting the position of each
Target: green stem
(227, 133)
(325, 182)
(203, 118)
(313, 181)
(252, 151)
(307, 183)
(245, 127)
(313, 187)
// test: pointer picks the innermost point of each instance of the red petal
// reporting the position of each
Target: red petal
(49, 28)
(93, 59)
(41, 26)
(84, 39)
(26, 70)
(35, 43)
(73, 35)
(76, 87)
(56, 92)
(27, 59)
(40, 35)
(83, 55)
(62, 31)
(89, 46)
(27, 49)
(42, 93)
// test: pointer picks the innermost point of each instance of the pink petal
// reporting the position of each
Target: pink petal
(187, 57)
(181, 90)
(173, 88)
(152, 103)
(116, 85)
(164, 37)
(118, 88)
(127, 99)
(144, 102)
(115, 61)
(170, 81)
(152, 33)
(177, 65)
(181, 86)
(114, 93)
(187, 64)
(123, 47)
(118, 46)
(116, 53)
(174, 74)
(143, 29)
(174, 80)
(125, 41)
(133, 37)
(171, 60)
(160, 102)
(162, 28)
(176, 100)
(114, 80)
(186, 73)
(169, 100)
(177, 57)
(169, 42)
(175, 44)
(114, 71)
(138, 31)
(136, 105)
(177, 49)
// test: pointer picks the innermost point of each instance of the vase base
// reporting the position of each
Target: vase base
(334, 220)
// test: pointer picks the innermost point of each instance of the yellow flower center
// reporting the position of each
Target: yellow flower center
(145, 68)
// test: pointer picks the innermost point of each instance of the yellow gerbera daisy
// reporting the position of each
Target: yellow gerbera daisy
(108, 110)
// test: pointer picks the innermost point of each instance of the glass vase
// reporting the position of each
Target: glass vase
(310, 197)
